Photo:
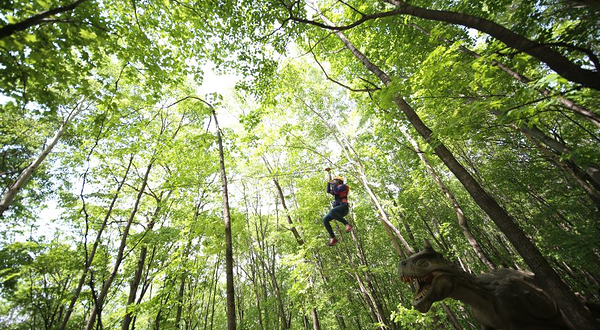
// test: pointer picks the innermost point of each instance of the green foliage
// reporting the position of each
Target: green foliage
(135, 69)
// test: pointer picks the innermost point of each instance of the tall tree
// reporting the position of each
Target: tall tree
(571, 306)
(231, 317)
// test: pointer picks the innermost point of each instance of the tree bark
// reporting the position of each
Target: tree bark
(373, 296)
(315, 317)
(582, 178)
(575, 313)
(135, 282)
(284, 205)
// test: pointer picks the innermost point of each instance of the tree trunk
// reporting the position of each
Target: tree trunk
(135, 282)
(180, 294)
(463, 223)
(231, 321)
(27, 173)
(90, 259)
(451, 316)
(573, 310)
(581, 177)
(315, 318)
(284, 205)
(367, 286)
(120, 254)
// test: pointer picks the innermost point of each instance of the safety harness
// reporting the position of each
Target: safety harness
(343, 195)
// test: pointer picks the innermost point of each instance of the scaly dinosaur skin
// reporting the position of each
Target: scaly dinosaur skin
(505, 299)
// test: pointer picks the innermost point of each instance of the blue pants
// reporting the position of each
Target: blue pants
(337, 212)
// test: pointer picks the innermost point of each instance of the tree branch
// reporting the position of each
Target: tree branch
(10, 29)
(339, 83)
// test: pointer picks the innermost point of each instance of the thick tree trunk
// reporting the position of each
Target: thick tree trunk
(27, 173)
(572, 308)
(552, 58)
(231, 317)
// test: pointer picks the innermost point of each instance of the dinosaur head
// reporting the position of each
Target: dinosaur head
(432, 277)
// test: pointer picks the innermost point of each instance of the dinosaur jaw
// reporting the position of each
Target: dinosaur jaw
(424, 293)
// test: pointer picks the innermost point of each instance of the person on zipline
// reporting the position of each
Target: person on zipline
(339, 209)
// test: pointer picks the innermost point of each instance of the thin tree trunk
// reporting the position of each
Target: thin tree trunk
(375, 311)
(256, 293)
(27, 173)
(212, 293)
(572, 169)
(181, 291)
(575, 313)
(559, 150)
(401, 218)
(369, 289)
(102, 296)
(135, 282)
(463, 223)
(451, 316)
(389, 227)
(231, 321)
(284, 205)
(90, 259)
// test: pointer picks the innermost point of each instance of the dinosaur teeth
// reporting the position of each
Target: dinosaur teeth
(419, 296)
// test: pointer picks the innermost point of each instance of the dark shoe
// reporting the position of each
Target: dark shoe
(348, 228)
(332, 242)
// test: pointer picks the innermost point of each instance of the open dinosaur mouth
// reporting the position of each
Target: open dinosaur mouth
(421, 285)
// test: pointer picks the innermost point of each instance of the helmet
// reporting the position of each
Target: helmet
(339, 178)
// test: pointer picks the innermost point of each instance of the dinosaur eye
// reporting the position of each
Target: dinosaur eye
(422, 263)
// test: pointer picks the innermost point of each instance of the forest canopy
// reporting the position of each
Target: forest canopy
(162, 163)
